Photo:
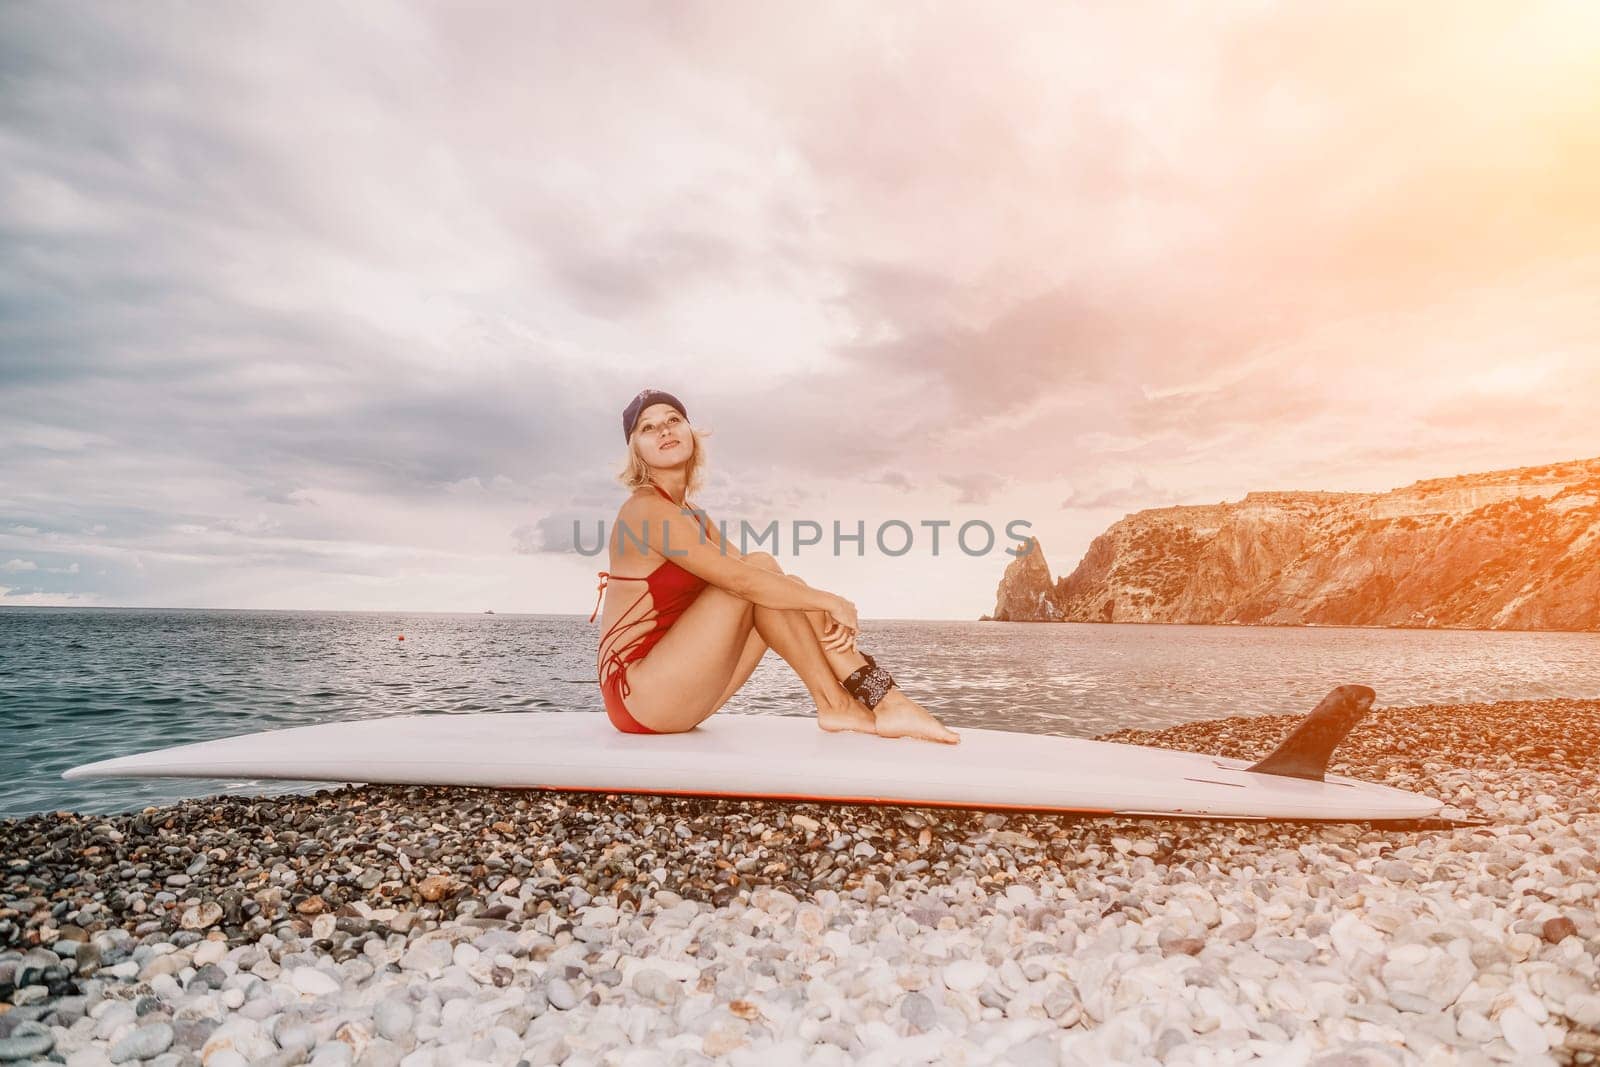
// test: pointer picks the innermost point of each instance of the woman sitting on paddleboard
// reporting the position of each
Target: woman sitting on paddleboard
(695, 619)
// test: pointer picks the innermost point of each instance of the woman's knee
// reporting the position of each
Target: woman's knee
(765, 560)
(723, 600)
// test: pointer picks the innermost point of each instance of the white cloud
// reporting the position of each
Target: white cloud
(13, 599)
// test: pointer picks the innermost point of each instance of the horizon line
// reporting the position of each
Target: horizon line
(384, 611)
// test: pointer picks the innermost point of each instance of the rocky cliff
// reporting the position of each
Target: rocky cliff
(1025, 590)
(1516, 550)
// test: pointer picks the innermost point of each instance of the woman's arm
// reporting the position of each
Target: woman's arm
(678, 537)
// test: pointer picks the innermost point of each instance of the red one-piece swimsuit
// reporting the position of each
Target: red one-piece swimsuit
(672, 589)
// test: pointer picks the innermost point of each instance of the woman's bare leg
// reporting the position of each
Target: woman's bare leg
(755, 647)
(715, 645)
(687, 675)
(680, 683)
(790, 635)
(896, 715)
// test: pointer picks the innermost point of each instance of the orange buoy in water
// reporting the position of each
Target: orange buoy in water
(402, 637)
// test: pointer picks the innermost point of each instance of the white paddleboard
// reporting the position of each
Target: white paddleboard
(769, 757)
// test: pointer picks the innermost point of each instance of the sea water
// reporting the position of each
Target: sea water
(78, 685)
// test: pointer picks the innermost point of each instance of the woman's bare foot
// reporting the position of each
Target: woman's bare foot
(846, 714)
(900, 716)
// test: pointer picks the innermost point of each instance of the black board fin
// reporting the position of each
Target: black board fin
(1307, 749)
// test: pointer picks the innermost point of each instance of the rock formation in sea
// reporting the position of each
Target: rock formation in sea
(1025, 591)
(1514, 550)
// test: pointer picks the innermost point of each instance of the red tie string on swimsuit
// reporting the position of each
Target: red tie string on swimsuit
(673, 588)
(615, 661)
(612, 660)
(600, 592)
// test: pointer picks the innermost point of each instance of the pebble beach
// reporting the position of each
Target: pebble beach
(428, 926)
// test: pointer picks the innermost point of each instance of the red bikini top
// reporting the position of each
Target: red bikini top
(671, 587)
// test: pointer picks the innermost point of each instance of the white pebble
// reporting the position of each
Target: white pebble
(1584, 1009)
(561, 994)
(210, 952)
(88, 1057)
(964, 975)
(455, 1012)
(312, 982)
(144, 1043)
(394, 1019)
(1525, 1036)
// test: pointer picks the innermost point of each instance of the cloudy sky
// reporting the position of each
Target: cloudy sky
(337, 306)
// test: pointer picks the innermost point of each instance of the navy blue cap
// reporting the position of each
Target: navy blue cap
(646, 397)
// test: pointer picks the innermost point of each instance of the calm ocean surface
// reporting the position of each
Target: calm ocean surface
(79, 685)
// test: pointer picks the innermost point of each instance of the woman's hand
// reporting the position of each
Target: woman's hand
(839, 633)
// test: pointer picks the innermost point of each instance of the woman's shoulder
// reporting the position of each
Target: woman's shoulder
(643, 505)
(639, 498)
(650, 496)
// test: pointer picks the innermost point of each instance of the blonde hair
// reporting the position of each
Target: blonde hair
(635, 472)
